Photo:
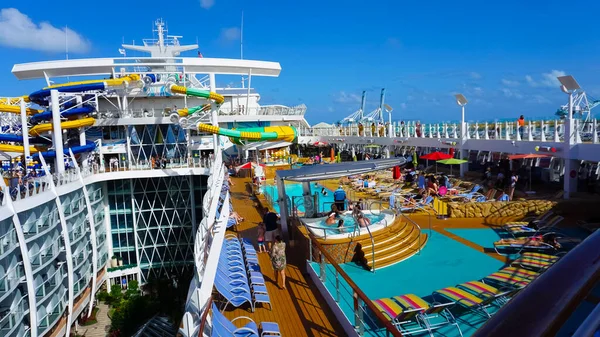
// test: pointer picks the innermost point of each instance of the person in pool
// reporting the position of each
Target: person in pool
(340, 225)
(363, 221)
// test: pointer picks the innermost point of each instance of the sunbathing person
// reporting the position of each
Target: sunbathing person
(534, 241)
(236, 216)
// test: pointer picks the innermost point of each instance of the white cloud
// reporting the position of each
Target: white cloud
(475, 75)
(477, 91)
(206, 4)
(403, 106)
(511, 93)
(539, 99)
(330, 109)
(548, 79)
(510, 83)
(343, 97)
(17, 30)
(230, 34)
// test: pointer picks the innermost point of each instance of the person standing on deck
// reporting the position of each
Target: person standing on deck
(521, 122)
(339, 197)
(272, 230)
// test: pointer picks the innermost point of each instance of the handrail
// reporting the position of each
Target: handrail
(359, 293)
(418, 206)
(204, 316)
(418, 228)
(372, 241)
(532, 312)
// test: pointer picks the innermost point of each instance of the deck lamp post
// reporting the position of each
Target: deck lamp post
(462, 101)
(569, 85)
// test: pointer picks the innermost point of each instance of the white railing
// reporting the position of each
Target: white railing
(539, 131)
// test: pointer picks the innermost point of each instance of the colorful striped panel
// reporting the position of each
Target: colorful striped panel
(456, 294)
(509, 279)
(516, 223)
(480, 288)
(540, 256)
(520, 272)
(531, 262)
(411, 301)
(388, 307)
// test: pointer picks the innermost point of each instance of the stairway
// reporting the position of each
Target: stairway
(393, 244)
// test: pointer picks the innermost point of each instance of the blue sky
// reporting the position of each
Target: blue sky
(504, 56)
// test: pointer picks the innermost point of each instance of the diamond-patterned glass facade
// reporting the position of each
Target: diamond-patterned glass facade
(154, 216)
(165, 140)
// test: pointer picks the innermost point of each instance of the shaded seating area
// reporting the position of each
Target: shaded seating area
(238, 277)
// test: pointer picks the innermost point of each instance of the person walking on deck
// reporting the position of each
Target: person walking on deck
(270, 220)
(521, 122)
(278, 261)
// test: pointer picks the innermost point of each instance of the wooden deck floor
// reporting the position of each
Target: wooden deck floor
(300, 310)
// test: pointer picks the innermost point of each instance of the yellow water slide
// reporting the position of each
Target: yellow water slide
(74, 124)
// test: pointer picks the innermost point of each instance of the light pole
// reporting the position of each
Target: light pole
(462, 101)
(569, 85)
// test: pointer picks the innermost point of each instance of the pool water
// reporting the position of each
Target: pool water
(295, 190)
(349, 223)
(443, 262)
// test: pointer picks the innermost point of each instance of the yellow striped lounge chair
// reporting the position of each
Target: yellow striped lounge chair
(520, 272)
(466, 300)
(508, 279)
(485, 291)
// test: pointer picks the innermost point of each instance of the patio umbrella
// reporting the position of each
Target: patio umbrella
(528, 156)
(248, 166)
(437, 155)
(452, 161)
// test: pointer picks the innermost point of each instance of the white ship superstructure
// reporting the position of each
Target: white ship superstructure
(121, 192)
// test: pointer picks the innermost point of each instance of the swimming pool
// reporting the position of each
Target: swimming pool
(443, 262)
(320, 229)
(295, 190)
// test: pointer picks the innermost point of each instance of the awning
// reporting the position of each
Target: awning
(332, 171)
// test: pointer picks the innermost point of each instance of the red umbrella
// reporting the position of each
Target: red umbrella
(437, 155)
(528, 156)
(247, 166)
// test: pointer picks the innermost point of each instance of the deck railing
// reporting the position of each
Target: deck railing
(545, 305)
(362, 306)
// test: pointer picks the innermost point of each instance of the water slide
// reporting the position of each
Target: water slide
(177, 89)
(89, 146)
(40, 96)
(269, 133)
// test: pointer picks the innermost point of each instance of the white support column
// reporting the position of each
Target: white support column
(454, 132)
(248, 93)
(25, 130)
(595, 131)
(25, 257)
(93, 237)
(571, 166)
(466, 132)
(543, 131)
(283, 212)
(529, 131)
(214, 109)
(57, 139)
(65, 236)
(128, 139)
(476, 130)
(446, 130)
(486, 134)
(496, 133)
(556, 134)
(437, 130)
(577, 131)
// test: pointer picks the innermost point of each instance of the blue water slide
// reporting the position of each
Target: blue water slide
(47, 115)
(19, 139)
(89, 146)
(39, 96)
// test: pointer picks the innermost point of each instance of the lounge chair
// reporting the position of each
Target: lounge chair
(504, 279)
(527, 220)
(517, 230)
(532, 263)
(485, 291)
(222, 327)
(412, 315)
(466, 300)
(520, 272)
